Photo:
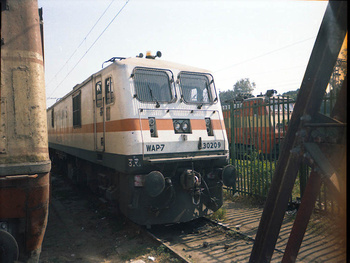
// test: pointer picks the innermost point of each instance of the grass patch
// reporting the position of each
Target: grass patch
(246, 200)
(219, 214)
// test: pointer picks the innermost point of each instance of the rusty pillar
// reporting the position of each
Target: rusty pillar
(24, 158)
(323, 57)
(303, 216)
(334, 181)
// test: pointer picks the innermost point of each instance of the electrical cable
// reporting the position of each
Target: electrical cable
(265, 54)
(90, 47)
(59, 71)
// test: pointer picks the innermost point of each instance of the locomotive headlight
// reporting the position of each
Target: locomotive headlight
(177, 126)
(182, 125)
(185, 126)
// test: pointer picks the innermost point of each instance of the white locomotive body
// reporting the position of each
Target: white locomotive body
(150, 134)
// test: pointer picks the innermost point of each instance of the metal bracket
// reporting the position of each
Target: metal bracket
(320, 159)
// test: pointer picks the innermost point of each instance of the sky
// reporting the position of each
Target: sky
(267, 41)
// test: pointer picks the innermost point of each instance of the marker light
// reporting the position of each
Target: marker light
(209, 127)
(152, 126)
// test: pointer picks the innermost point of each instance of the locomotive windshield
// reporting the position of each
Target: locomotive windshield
(152, 85)
(197, 88)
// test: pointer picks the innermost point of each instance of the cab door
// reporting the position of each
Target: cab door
(99, 115)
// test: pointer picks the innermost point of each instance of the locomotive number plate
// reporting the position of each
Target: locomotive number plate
(155, 147)
(211, 145)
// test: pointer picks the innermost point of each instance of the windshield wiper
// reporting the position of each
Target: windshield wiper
(153, 98)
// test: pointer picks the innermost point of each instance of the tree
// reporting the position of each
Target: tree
(340, 70)
(226, 96)
(292, 94)
(243, 86)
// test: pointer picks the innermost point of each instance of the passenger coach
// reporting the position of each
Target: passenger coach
(146, 134)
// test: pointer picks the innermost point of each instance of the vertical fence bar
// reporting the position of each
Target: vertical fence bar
(274, 131)
(256, 150)
(251, 149)
(242, 149)
(241, 142)
(265, 154)
(261, 154)
(270, 139)
(239, 146)
(249, 133)
(234, 124)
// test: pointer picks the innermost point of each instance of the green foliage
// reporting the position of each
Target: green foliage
(256, 174)
(226, 96)
(219, 214)
(292, 94)
(241, 89)
(243, 86)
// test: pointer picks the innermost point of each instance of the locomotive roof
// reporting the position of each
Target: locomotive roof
(157, 63)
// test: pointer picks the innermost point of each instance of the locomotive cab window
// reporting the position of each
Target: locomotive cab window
(77, 110)
(153, 85)
(99, 94)
(197, 88)
(109, 91)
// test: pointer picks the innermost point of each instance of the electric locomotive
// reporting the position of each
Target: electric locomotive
(148, 135)
(259, 123)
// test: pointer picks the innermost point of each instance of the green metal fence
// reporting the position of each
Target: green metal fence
(256, 133)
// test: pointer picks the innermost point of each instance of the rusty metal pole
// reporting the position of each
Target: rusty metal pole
(324, 55)
(24, 158)
(303, 216)
(314, 185)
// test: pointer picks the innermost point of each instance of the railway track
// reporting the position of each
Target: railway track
(205, 240)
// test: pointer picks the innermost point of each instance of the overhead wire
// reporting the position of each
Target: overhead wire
(267, 72)
(81, 43)
(122, 8)
(265, 54)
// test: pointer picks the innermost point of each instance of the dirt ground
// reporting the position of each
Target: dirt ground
(82, 229)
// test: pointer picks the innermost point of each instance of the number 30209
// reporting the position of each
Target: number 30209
(211, 145)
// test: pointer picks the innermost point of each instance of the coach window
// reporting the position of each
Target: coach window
(99, 94)
(52, 118)
(197, 88)
(152, 85)
(109, 90)
(77, 110)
